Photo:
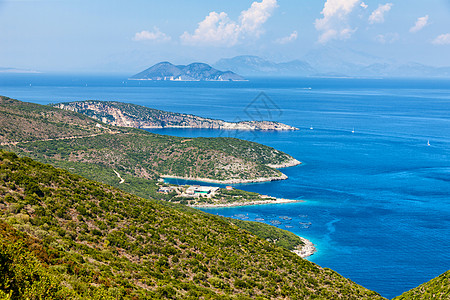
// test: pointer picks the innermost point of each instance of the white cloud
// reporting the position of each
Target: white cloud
(252, 19)
(377, 15)
(287, 39)
(443, 39)
(155, 35)
(218, 29)
(420, 23)
(363, 5)
(334, 24)
(215, 28)
(387, 38)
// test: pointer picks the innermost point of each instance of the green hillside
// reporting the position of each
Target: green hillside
(75, 142)
(23, 122)
(437, 288)
(98, 242)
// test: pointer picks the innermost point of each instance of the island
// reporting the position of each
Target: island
(137, 116)
(165, 71)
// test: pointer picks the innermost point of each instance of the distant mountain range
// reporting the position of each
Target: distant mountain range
(330, 62)
(256, 66)
(15, 70)
(192, 72)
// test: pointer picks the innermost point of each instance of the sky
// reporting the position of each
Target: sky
(96, 36)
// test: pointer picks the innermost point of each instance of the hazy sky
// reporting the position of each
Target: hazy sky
(126, 36)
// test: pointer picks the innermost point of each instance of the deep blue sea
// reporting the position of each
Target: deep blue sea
(378, 198)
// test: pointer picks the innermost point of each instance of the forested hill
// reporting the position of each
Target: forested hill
(24, 122)
(132, 115)
(93, 149)
(72, 238)
(437, 288)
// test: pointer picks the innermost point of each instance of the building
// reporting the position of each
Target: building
(201, 191)
(165, 189)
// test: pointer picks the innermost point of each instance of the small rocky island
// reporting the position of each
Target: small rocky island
(193, 72)
(132, 115)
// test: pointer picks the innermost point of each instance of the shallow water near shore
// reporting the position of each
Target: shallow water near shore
(377, 200)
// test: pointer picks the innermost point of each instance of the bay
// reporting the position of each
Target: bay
(377, 199)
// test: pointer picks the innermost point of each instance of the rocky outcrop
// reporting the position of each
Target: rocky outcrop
(131, 115)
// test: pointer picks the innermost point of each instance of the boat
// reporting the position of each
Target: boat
(353, 130)
(428, 143)
(311, 127)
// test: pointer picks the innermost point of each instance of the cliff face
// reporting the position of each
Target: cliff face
(130, 115)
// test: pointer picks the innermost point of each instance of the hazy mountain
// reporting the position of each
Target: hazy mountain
(15, 70)
(257, 66)
(192, 72)
(334, 61)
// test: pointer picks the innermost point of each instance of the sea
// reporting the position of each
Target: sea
(374, 183)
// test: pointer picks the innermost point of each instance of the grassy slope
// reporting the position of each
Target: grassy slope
(22, 121)
(123, 149)
(112, 243)
(437, 288)
(132, 152)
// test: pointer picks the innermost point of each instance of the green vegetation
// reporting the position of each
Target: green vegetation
(135, 114)
(96, 241)
(132, 115)
(87, 148)
(23, 122)
(280, 237)
(437, 288)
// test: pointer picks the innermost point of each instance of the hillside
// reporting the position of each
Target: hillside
(24, 122)
(98, 242)
(437, 288)
(192, 72)
(96, 151)
(132, 115)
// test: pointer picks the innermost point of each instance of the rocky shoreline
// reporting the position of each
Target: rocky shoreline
(276, 201)
(128, 115)
(229, 181)
(305, 250)
(293, 162)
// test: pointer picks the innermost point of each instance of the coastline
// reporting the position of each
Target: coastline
(229, 127)
(306, 250)
(229, 181)
(262, 202)
(291, 163)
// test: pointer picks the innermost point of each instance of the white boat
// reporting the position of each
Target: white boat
(311, 127)
(353, 130)
(428, 143)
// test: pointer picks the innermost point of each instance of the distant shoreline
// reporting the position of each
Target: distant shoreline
(149, 79)
(229, 181)
(249, 203)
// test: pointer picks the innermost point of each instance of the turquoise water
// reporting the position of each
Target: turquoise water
(376, 201)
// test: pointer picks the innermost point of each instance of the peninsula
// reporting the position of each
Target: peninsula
(132, 115)
(76, 142)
